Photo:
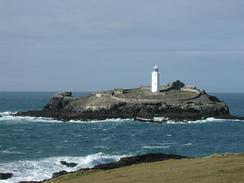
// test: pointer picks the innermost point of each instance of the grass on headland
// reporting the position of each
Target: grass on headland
(227, 168)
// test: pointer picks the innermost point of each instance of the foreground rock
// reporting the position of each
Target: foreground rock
(70, 165)
(147, 158)
(127, 161)
(58, 174)
(175, 101)
(227, 169)
(4, 176)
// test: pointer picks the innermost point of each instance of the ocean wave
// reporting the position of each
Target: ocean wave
(188, 144)
(101, 147)
(156, 147)
(10, 152)
(10, 116)
(207, 120)
(215, 120)
(44, 168)
(118, 120)
(101, 121)
(7, 113)
(27, 119)
(166, 145)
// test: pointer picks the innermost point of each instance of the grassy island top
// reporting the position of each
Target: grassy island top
(174, 91)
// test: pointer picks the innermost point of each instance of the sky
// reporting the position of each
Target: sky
(78, 45)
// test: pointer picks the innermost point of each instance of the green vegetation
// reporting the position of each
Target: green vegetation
(228, 168)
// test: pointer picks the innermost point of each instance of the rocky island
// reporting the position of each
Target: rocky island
(174, 101)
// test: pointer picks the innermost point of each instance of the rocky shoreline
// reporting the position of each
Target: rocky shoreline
(123, 162)
(175, 101)
(213, 168)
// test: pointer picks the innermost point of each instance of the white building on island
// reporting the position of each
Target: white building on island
(155, 80)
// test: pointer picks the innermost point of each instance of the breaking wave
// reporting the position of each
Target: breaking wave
(166, 145)
(100, 121)
(7, 113)
(38, 170)
(10, 116)
(208, 120)
(214, 120)
(156, 147)
(7, 151)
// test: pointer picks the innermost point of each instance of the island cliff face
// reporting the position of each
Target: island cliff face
(175, 101)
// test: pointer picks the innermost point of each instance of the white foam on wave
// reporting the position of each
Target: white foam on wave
(7, 113)
(101, 147)
(208, 120)
(156, 147)
(188, 144)
(7, 151)
(101, 121)
(44, 168)
(215, 120)
(10, 116)
(164, 145)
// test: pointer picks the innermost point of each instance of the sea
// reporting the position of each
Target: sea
(32, 148)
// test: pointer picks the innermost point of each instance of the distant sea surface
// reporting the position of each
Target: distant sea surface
(32, 148)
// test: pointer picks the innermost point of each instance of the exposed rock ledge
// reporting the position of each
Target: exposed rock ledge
(126, 161)
(5, 176)
(175, 101)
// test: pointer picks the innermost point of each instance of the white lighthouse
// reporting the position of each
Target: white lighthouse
(155, 80)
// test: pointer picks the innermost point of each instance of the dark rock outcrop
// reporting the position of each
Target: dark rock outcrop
(4, 176)
(127, 161)
(59, 101)
(177, 85)
(58, 174)
(71, 165)
(147, 158)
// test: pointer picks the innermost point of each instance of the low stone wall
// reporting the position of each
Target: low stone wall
(133, 100)
(103, 94)
(192, 90)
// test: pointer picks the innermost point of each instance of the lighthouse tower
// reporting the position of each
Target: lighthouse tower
(155, 80)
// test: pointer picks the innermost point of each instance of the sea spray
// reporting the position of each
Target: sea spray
(11, 116)
(37, 170)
